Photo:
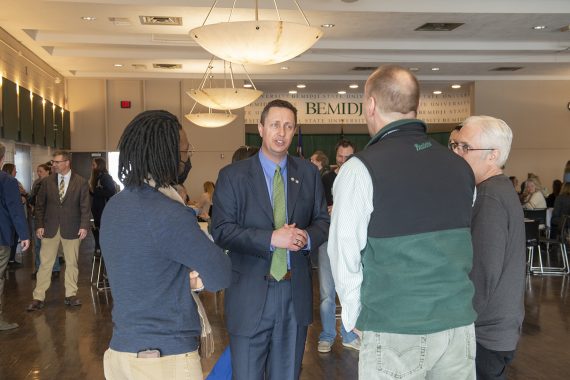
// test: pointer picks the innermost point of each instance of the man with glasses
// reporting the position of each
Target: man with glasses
(498, 243)
(400, 242)
(62, 216)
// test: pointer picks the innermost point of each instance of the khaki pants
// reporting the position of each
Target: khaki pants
(48, 254)
(126, 366)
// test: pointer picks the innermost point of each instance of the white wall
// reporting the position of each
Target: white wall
(98, 121)
(537, 113)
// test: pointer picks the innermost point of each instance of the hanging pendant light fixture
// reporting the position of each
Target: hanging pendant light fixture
(259, 42)
(210, 119)
(224, 98)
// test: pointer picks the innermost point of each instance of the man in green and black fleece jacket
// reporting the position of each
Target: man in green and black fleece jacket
(400, 242)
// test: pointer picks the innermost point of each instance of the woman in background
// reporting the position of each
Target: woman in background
(321, 161)
(566, 176)
(556, 187)
(205, 201)
(101, 188)
(533, 199)
(43, 171)
(561, 207)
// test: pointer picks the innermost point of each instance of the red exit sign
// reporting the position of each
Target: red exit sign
(125, 104)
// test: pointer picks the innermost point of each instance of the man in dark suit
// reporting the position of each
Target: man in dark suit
(62, 216)
(11, 218)
(269, 210)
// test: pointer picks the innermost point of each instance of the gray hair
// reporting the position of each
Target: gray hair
(494, 133)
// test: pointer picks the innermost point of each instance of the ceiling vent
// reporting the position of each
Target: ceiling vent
(174, 38)
(120, 21)
(507, 68)
(364, 68)
(139, 66)
(160, 20)
(439, 26)
(167, 66)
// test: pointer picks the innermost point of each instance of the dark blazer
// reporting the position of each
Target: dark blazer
(12, 215)
(104, 189)
(70, 215)
(242, 223)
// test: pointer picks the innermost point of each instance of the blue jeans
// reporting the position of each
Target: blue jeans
(328, 301)
(448, 354)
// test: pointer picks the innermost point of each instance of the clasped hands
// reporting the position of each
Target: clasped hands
(289, 237)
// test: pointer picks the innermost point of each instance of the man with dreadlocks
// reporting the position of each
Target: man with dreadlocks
(154, 315)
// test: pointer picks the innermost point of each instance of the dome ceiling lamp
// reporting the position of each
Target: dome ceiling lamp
(259, 42)
(210, 119)
(225, 98)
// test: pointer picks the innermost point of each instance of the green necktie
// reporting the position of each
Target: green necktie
(279, 259)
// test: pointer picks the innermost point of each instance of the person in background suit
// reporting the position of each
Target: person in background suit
(101, 188)
(62, 216)
(12, 219)
(269, 210)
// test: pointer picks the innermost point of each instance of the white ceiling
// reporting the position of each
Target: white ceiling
(366, 33)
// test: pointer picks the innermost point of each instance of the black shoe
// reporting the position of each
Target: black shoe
(72, 301)
(54, 275)
(35, 305)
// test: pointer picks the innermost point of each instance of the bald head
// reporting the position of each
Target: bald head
(395, 89)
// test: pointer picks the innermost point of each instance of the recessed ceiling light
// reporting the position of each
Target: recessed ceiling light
(455, 86)
(293, 92)
(284, 68)
(341, 92)
(89, 18)
(301, 85)
(118, 65)
(435, 69)
(539, 27)
(354, 85)
(248, 85)
(414, 69)
(327, 26)
(437, 92)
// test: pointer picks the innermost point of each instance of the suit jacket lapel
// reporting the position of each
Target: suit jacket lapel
(294, 182)
(260, 187)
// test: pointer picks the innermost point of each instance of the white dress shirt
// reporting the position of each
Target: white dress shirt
(352, 206)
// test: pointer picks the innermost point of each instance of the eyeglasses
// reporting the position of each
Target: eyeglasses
(57, 162)
(464, 148)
